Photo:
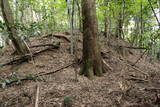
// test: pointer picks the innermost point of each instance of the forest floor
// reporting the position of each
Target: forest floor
(127, 83)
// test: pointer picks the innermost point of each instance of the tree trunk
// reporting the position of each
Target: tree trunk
(141, 24)
(159, 10)
(79, 16)
(19, 45)
(92, 62)
(119, 26)
(72, 28)
(106, 26)
(106, 20)
(120, 20)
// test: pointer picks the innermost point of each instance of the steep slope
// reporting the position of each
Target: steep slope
(126, 83)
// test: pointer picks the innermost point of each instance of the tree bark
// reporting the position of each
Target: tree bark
(79, 16)
(141, 24)
(92, 62)
(18, 44)
(119, 26)
(72, 28)
(120, 21)
(106, 20)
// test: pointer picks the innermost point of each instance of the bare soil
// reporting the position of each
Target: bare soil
(123, 86)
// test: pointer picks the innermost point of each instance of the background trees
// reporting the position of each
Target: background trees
(132, 20)
(18, 44)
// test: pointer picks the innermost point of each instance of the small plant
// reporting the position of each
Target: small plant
(4, 82)
(68, 101)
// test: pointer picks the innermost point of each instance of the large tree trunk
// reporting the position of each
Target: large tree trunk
(92, 63)
(19, 44)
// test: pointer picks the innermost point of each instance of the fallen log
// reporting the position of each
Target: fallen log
(28, 57)
(44, 45)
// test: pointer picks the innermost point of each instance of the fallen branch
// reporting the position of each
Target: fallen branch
(130, 65)
(48, 73)
(137, 69)
(40, 74)
(59, 36)
(151, 89)
(139, 58)
(44, 45)
(130, 47)
(137, 79)
(134, 47)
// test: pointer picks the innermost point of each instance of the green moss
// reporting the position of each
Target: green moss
(98, 71)
(87, 69)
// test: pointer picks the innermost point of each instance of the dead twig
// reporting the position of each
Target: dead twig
(139, 58)
(37, 96)
(135, 68)
(107, 66)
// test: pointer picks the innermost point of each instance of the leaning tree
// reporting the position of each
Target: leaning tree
(18, 44)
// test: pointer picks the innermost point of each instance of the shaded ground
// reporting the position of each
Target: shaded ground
(123, 86)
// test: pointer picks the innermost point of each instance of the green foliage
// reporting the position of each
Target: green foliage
(43, 16)
(8, 80)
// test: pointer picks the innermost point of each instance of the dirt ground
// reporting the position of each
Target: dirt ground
(127, 84)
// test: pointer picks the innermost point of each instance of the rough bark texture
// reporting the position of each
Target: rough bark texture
(19, 44)
(92, 63)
